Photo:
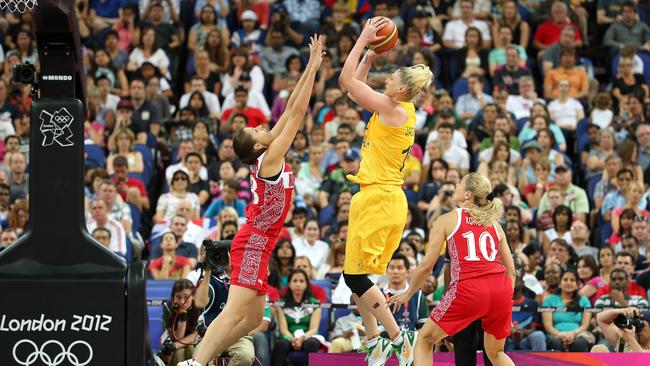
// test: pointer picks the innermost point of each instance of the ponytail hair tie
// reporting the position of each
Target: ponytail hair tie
(490, 196)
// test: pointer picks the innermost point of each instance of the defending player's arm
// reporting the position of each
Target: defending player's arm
(297, 91)
(437, 233)
(506, 257)
(280, 145)
(358, 90)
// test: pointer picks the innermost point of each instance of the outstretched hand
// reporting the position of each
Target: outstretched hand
(397, 301)
(373, 25)
(316, 52)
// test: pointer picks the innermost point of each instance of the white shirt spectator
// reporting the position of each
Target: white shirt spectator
(520, 106)
(6, 126)
(566, 114)
(257, 81)
(602, 117)
(457, 138)
(158, 59)
(486, 155)
(211, 101)
(455, 31)
(169, 172)
(111, 102)
(480, 6)
(456, 157)
(169, 203)
(255, 100)
(316, 253)
(118, 234)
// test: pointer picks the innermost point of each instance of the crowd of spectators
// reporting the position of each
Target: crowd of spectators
(546, 98)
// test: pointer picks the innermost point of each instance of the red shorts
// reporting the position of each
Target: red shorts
(487, 298)
(250, 251)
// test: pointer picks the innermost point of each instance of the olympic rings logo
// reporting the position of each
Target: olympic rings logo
(47, 359)
(61, 118)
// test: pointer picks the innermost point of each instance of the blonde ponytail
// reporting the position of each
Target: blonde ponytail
(415, 78)
(487, 209)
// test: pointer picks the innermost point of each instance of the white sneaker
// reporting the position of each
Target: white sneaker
(380, 352)
(404, 352)
(191, 362)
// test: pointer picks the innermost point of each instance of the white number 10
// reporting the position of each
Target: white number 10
(483, 244)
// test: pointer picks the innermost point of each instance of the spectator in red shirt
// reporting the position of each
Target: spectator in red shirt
(131, 189)
(255, 116)
(625, 261)
(548, 32)
(169, 266)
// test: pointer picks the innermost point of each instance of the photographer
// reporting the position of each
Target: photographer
(180, 318)
(442, 202)
(211, 295)
(624, 324)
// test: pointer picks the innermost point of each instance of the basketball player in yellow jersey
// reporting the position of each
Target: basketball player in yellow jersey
(378, 212)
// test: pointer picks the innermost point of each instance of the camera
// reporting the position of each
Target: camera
(25, 73)
(448, 193)
(216, 254)
(167, 350)
(623, 322)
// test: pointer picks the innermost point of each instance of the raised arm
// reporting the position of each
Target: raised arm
(296, 114)
(358, 90)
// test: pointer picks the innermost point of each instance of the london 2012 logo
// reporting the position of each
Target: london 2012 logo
(52, 353)
(55, 127)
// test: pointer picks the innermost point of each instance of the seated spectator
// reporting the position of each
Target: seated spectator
(230, 190)
(597, 156)
(568, 331)
(469, 104)
(132, 190)
(565, 111)
(103, 236)
(576, 76)
(311, 245)
(625, 261)
(207, 21)
(618, 296)
(168, 202)
(275, 55)
(18, 178)
(547, 141)
(628, 30)
(117, 209)
(180, 318)
(409, 316)
(628, 151)
(169, 265)
(561, 253)
(433, 178)
(281, 263)
(548, 32)
(249, 34)
(348, 331)
(472, 58)
(534, 191)
(240, 63)
(188, 243)
(298, 325)
(333, 266)
(634, 342)
(589, 277)
(148, 50)
(507, 75)
(519, 28)
(100, 219)
(200, 187)
(574, 197)
(226, 170)
(454, 35)
(580, 241)
(630, 244)
(629, 83)
(593, 132)
(455, 156)
(617, 197)
(523, 102)
(253, 98)
(216, 46)
(633, 196)
(525, 334)
(211, 100)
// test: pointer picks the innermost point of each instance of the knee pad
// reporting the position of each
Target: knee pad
(358, 283)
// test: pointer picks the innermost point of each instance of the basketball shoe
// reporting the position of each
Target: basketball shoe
(379, 351)
(404, 347)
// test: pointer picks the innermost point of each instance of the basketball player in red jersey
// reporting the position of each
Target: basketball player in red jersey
(482, 273)
(272, 188)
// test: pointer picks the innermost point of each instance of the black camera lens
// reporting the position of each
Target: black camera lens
(26, 76)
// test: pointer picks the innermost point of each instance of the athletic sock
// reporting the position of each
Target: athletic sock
(397, 342)
(373, 342)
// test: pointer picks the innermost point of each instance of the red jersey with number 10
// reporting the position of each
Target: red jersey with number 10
(473, 249)
(271, 200)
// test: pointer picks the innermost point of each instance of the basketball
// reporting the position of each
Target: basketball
(389, 32)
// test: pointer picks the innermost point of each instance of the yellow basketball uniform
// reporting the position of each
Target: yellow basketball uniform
(378, 212)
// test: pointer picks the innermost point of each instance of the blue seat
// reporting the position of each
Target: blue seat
(521, 123)
(581, 128)
(605, 232)
(591, 188)
(161, 283)
(95, 156)
(158, 293)
(155, 326)
(147, 159)
(136, 216)
(461, 86)
(326, 285)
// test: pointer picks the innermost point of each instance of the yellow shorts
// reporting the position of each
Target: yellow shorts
(376, 223)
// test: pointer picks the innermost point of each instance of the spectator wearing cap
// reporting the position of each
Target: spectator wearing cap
(336, 181)
(507, 75)
(254, 116)
(574, 197)
(576, 76)
(454, 35)
(131, 189)
(472, 102)
(145, 114)
(549, 32)
(275, 55)
(249, 33)
(254, 98)
(197, 84)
